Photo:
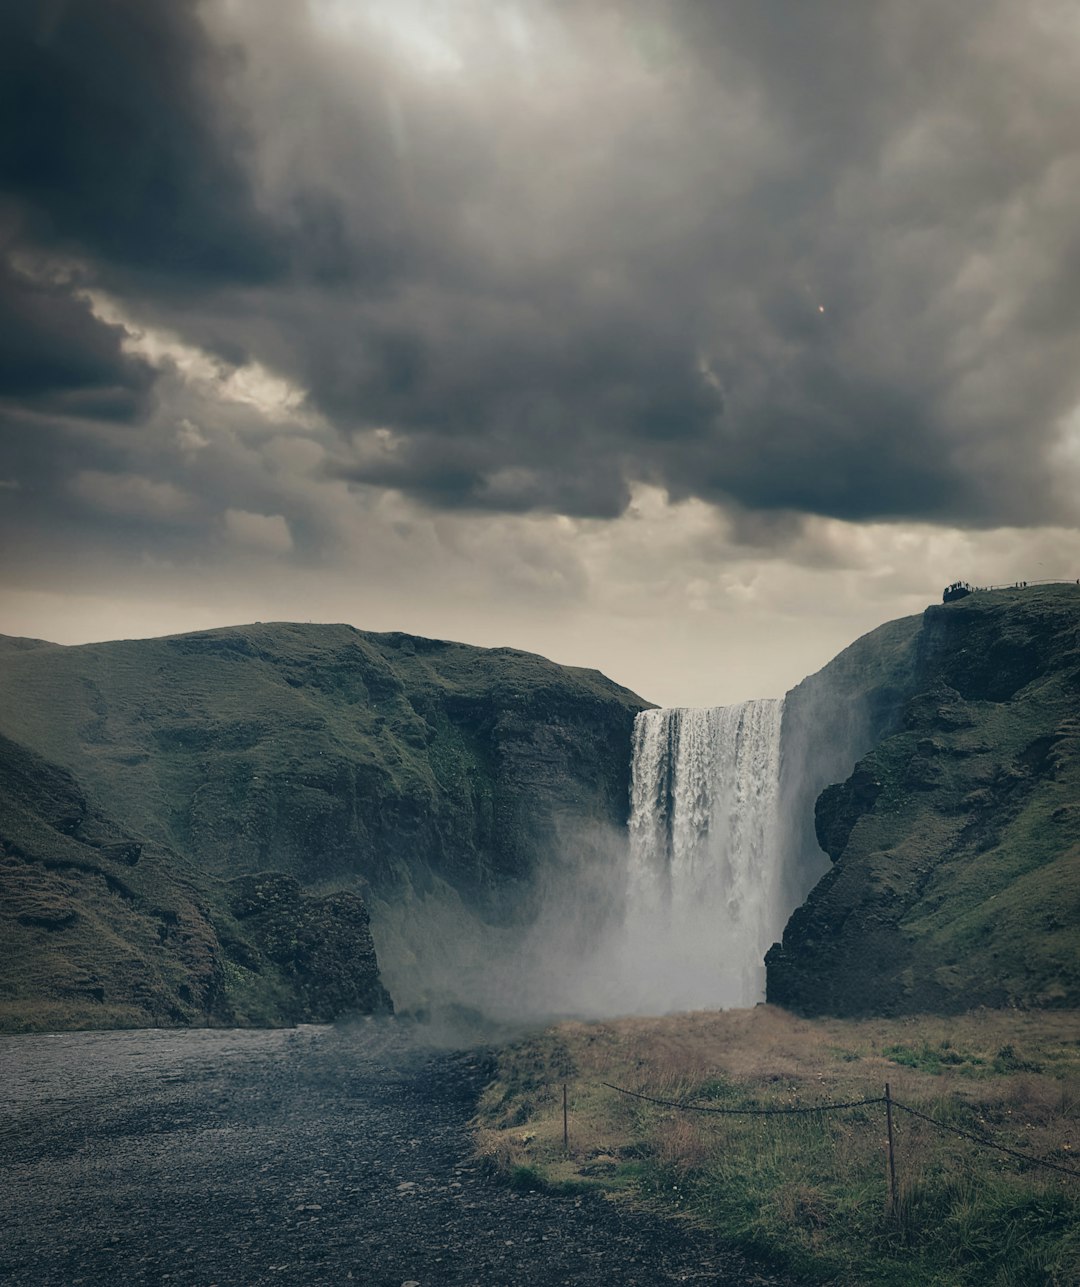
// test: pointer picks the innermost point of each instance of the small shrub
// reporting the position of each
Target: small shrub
(1008, 1061)
(525, 1179)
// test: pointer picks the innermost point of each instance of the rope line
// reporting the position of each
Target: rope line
(981, 1139)
(741, 1112)
(684, 1107)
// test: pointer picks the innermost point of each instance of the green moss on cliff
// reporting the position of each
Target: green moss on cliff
(96, 929)
(99, 930)
(327, 752)
(956, 841)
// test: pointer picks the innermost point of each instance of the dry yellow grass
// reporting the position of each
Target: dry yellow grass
(811, 1180)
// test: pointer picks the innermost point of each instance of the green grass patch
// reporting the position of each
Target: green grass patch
(936, 1059)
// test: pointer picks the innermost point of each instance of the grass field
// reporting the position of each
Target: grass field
(809, 1192)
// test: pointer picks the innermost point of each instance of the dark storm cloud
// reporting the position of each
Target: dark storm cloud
(546, 268)
(56, 356)
(629, 283)
(115, 140)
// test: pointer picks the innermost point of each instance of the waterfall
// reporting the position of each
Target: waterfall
(705, 887)
(676, 913)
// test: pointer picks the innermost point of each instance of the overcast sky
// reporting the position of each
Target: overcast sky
(687, 339)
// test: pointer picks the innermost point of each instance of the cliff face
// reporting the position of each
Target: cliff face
(328, 753)
(377, 768)
(831, 720)
(197, 827)
(98, 929)
(956, 841)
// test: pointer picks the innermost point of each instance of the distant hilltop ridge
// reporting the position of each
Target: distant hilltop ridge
(960, 589)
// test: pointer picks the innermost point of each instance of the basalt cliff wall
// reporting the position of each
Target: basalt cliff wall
(225, 826)
(955, 842)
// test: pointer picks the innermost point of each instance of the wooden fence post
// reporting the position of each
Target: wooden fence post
(565, 1123)
(892, 1154)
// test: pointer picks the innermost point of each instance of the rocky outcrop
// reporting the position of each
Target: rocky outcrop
(100, 930)
(956, 840)
(320, 948)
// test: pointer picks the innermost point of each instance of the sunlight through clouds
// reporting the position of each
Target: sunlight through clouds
(250, 383)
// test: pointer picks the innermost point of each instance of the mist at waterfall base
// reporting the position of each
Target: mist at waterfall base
(675, 913)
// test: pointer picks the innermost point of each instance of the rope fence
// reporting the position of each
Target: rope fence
(987, 1143)
(887, 1099)
(1017, 585)
(1023, 585)
(742, 1112)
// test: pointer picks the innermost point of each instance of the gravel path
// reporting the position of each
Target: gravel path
(310, 1156)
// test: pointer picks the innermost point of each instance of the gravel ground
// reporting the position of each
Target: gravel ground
(318, 1155)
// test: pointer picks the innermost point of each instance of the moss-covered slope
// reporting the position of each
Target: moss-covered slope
(98, 929)
(329, 753)
(956, 841)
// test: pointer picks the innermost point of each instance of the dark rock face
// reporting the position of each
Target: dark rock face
(322, 947)
(830, 721)
(839, 808)
(85, 941)
(956, 840)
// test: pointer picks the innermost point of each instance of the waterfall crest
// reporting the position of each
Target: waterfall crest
(703, 903)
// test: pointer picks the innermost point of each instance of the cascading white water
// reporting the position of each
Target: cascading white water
(705, 840)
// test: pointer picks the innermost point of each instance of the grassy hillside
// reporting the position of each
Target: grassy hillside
(99, 929)
(326, 752)
(956, 841)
